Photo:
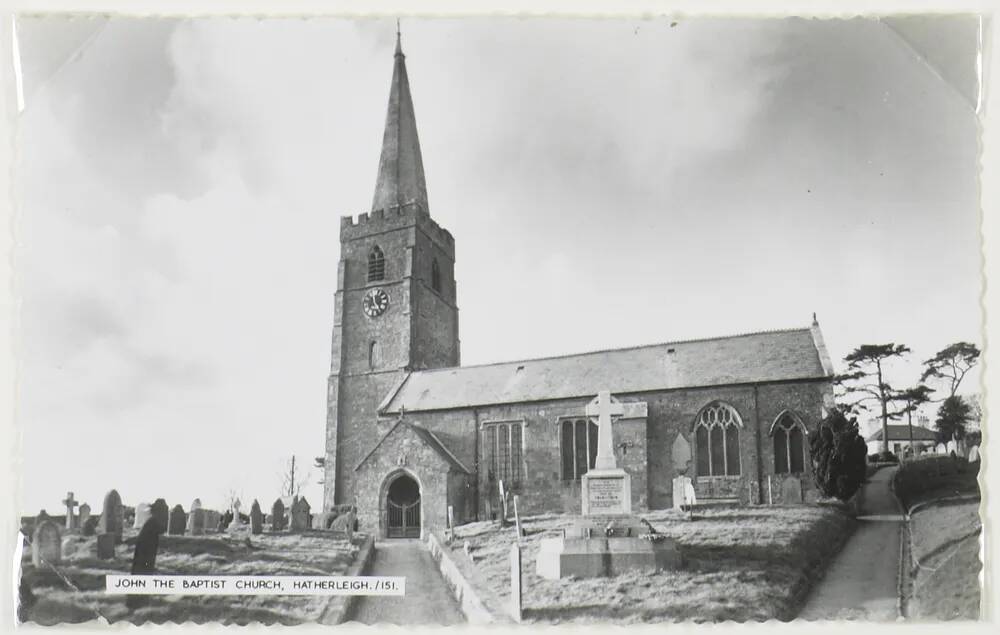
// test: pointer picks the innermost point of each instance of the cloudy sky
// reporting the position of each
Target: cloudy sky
(608, 183)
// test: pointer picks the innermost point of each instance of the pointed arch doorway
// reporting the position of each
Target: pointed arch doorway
(402, 506)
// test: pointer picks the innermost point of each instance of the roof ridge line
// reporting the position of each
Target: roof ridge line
(621, 348)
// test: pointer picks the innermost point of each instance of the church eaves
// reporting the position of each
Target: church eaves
(401, 168)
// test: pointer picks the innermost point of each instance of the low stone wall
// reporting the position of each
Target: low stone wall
(473, 607)
(339, 607)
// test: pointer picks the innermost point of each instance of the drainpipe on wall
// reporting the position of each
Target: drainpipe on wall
(475, 496)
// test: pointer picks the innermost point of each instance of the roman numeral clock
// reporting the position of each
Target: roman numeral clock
(375, 303)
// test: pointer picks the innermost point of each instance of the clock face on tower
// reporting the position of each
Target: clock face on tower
(375, 303)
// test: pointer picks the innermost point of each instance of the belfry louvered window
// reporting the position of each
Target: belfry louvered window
(717, 441)
(435, 276)
(789, 445)
(502, 452)
(376, 264)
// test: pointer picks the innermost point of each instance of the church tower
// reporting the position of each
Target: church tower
(395, 307)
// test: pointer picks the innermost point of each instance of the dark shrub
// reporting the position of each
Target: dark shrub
(887, 457)
(838, 456)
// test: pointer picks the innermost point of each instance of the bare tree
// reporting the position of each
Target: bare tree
(292, 479)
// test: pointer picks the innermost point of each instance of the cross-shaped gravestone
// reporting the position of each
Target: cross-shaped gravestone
(604, 408)
(70, 504)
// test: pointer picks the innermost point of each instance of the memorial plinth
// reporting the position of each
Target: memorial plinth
(608, 540)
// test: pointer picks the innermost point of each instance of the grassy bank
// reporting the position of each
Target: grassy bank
(74, 591)
(741, 564)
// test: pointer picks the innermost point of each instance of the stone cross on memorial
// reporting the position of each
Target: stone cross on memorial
(603, 409)
(70, 504)
(606, 489)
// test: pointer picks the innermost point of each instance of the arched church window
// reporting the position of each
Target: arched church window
(502, 453)
(435, 276)
(788, 436)
(374, 355)
(376, 264)
(717, 441)
(578, 447)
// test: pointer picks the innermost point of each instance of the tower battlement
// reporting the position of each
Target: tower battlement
(395, 217)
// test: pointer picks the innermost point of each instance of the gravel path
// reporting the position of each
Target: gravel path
(427, 599)
(862, 583)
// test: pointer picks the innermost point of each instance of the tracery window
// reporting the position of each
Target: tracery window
(579, 447)
(502, 452)
(435, 276)
(717, 441)
(376, 264)
(788, 436)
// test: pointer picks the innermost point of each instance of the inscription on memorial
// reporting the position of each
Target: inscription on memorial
(606, 495)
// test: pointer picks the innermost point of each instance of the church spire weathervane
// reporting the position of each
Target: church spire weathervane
(401, 168)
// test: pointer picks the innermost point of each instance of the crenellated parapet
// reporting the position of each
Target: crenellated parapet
(393, 218)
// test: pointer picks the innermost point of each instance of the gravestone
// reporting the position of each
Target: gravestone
(46, 545)
(70, 504)
(196, 516)
(212, 520)
(277, 516)
(300, 515)
(256, 519)
(144, 558)
(515, 582)
(112, 516)
(974, 454)
(41, 517)
(90, 526)
(683, 493)
(161, 514)
(106, 546)
(791, 491)
(681, 455)
(143, 512)
(84, 516)
(451, 517)
(178, 521)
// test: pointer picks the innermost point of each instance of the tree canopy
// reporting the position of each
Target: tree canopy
(950, 366)
(864, 385)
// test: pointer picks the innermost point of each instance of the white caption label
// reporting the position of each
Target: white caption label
(254, 585)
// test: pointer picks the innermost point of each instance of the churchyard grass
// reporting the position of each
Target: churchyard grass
(752, 563)
(308, 553)
(944, 540)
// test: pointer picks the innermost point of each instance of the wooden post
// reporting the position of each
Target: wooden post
(517, 520)
(515, 582)
(770, 498)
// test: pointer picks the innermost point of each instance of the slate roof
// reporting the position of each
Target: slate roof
(427, 437)
(902, 433)
(792, 354)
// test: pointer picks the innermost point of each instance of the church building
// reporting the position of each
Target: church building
(411, 433)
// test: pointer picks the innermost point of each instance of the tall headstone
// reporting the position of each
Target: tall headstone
(178, 521)
(143, 512)
(46, 545)
(196, 519)
(144, 558)
(256, 519)
(112, 516)
(974, 454)
(277, 516)
(84, 515)
(41, 517)
(683, 492)
(70, 504)
(791, 491)
(515, 582)
(160, 513)
(517, 521)
(300, 515)
(606, 489)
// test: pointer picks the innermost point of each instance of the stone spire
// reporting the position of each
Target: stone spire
(401, 169)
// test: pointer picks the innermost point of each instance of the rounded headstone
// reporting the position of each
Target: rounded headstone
(46, 544)
(160, 513)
